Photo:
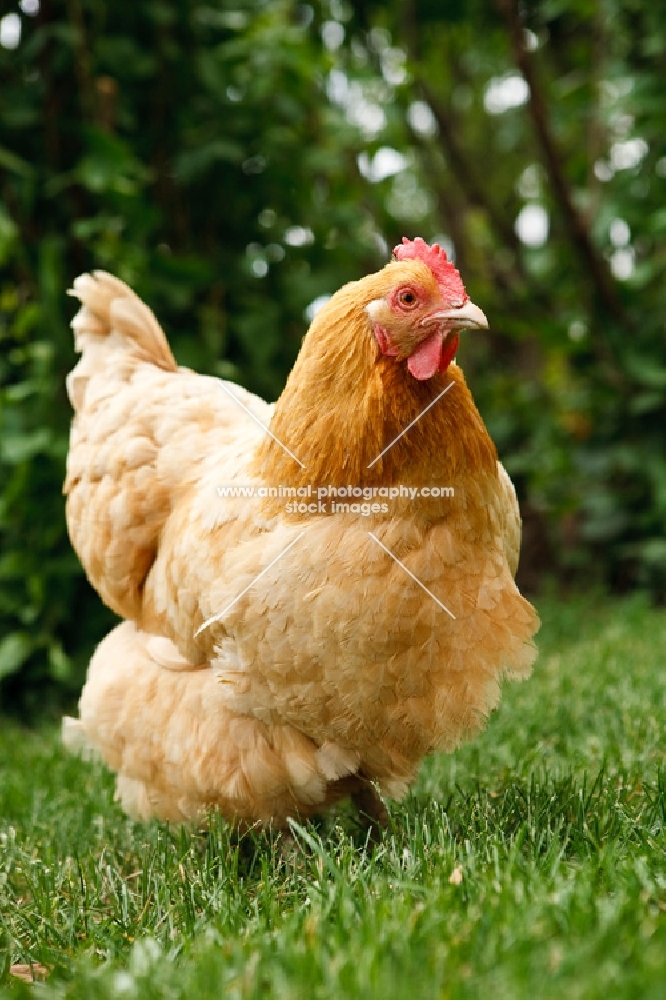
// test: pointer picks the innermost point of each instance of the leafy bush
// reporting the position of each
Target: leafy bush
(233, 161)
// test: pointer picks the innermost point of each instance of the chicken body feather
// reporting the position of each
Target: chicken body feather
(274, 657)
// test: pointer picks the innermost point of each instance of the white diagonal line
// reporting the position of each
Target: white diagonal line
(409, 572)
(402, 433)
(258, 421)
(215, 618)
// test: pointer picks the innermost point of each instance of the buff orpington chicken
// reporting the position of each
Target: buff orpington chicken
(281, 649)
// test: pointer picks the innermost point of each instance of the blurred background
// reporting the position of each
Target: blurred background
(236, 161)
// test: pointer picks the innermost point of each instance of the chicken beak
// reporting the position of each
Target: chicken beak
(463, 318)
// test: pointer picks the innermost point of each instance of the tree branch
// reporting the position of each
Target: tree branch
(82, 62)
(475, 191)
(451, 209)
(597, 136)
(472, 186)
(579, 235)
(453, 203)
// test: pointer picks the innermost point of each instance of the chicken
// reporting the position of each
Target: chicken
(314, 595)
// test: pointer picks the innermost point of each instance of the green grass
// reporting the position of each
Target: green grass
(555, 817)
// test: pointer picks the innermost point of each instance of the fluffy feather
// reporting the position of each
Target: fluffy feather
(272, 660)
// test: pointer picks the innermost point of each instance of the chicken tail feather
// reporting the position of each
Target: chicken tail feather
(113, 318)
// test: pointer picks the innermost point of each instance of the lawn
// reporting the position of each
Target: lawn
(531, 863)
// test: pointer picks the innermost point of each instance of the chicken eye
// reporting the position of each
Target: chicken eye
(407, 298)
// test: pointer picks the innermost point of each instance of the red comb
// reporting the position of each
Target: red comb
(448, 278)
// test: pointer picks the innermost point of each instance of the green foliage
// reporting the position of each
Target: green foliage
(530, 863)
(187, 149)
(208, 153)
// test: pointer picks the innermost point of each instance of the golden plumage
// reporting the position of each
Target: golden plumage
(334, 665)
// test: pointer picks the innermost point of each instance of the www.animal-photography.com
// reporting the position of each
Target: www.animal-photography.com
(332, 499)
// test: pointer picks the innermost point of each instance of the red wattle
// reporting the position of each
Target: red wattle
(449, 351)
(425, 360)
